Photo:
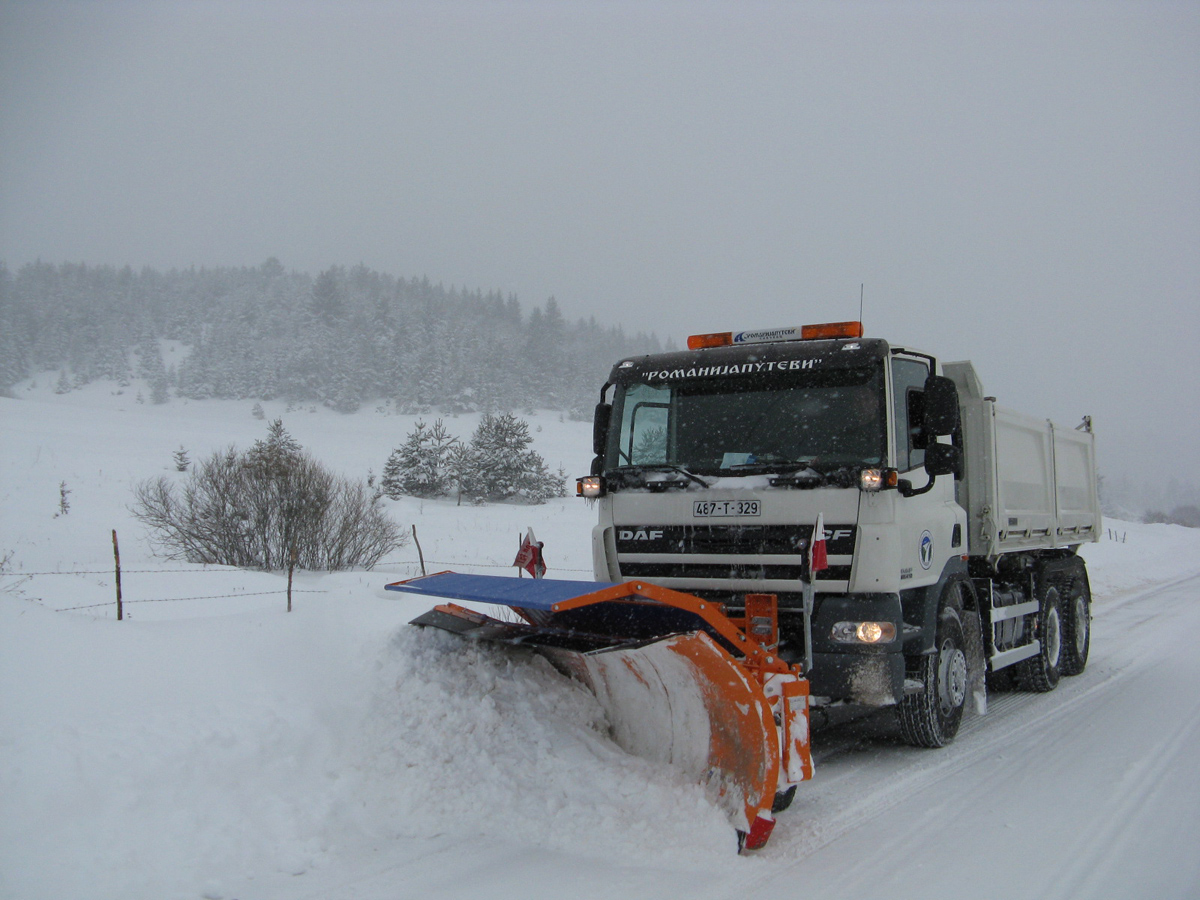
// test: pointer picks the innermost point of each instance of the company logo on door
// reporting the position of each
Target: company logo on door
(926, 550)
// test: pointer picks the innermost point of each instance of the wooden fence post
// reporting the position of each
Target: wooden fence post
(420, 555)
(117, 561)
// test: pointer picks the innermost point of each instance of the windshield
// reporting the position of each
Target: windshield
(823, 420)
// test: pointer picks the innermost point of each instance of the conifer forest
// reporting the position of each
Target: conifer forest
(343, 338)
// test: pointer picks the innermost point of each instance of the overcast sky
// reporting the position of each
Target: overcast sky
(1018, 184)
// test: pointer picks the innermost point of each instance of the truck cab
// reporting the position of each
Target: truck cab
(714, 464)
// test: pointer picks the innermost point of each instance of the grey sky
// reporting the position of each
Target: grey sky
(1018, 184)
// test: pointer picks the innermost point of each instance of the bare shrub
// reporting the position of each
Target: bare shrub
(6, 586)
(254, 509)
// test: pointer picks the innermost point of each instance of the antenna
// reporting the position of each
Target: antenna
(862, 289)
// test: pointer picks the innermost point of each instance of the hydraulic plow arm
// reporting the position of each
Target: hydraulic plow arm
(681, 683)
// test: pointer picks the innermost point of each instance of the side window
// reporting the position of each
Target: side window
(908, 388)
(644, 423)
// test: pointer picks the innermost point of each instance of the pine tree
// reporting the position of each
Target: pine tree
(64, 505)
(502, 466)
(327, 304)
(420, 466)
(278, 452)
(159, 389)
(392, 480)
(441, 443)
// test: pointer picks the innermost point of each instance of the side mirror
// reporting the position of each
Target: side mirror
(941, 407)
(600, 425)
(940, 459)
(943, 459)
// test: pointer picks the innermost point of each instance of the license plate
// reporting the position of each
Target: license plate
(719, 509)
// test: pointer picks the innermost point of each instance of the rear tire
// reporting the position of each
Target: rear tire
(1040, 673)
(1077, 623)
(931, 718)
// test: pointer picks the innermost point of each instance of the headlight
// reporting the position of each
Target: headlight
(864, 632)
(872, 480)
(589, 486)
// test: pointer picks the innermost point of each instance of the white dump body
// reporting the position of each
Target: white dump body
(1029, 484)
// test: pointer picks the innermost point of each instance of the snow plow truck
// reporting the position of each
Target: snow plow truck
(805, 517)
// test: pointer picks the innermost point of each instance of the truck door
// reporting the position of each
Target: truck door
(926, 522)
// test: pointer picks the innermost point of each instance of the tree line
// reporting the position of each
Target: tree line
(345, 337)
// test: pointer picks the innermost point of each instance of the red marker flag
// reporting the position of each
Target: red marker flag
(818, 558)
(529, 557)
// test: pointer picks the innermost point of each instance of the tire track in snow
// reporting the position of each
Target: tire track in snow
(1090, 861)
(1089, 853)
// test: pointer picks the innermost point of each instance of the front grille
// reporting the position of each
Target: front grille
(673, 551)
(731, 540)
(750, 571)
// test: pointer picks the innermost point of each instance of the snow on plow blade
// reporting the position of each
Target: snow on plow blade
(680, 682)
(683, 701)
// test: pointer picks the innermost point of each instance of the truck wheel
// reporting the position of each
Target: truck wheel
(1040, 673)
(783, 799)
(931, 718)
(1077, 624)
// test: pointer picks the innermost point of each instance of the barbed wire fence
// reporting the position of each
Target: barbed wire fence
(173, 599)
(413, 566)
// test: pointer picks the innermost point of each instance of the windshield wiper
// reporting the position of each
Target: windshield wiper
(811, 476)
(642, 469)
(806, 477)
(776, 467)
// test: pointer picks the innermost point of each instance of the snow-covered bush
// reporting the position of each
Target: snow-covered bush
(256, 509)
(499, 464)
(420, 467)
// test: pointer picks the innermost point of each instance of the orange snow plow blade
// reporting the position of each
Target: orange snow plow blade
(684, 701)
(681, 683)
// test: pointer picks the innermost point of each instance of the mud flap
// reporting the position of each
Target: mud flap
(683, 701)
(976, 661)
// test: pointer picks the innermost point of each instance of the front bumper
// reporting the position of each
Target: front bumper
(870, 675)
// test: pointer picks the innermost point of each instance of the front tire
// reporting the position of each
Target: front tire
(931, 718)
(1040, 673)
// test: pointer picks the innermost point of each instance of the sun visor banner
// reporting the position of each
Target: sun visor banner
(749, 361)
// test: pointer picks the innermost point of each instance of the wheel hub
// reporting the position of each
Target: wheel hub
(952, 678)
(1081, 625)
(1053, 637)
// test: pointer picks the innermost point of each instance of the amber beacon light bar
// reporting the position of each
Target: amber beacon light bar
(823, 332)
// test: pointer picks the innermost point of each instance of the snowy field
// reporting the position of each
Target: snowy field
(215, 746)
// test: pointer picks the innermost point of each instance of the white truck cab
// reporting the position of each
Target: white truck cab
(713, 465)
